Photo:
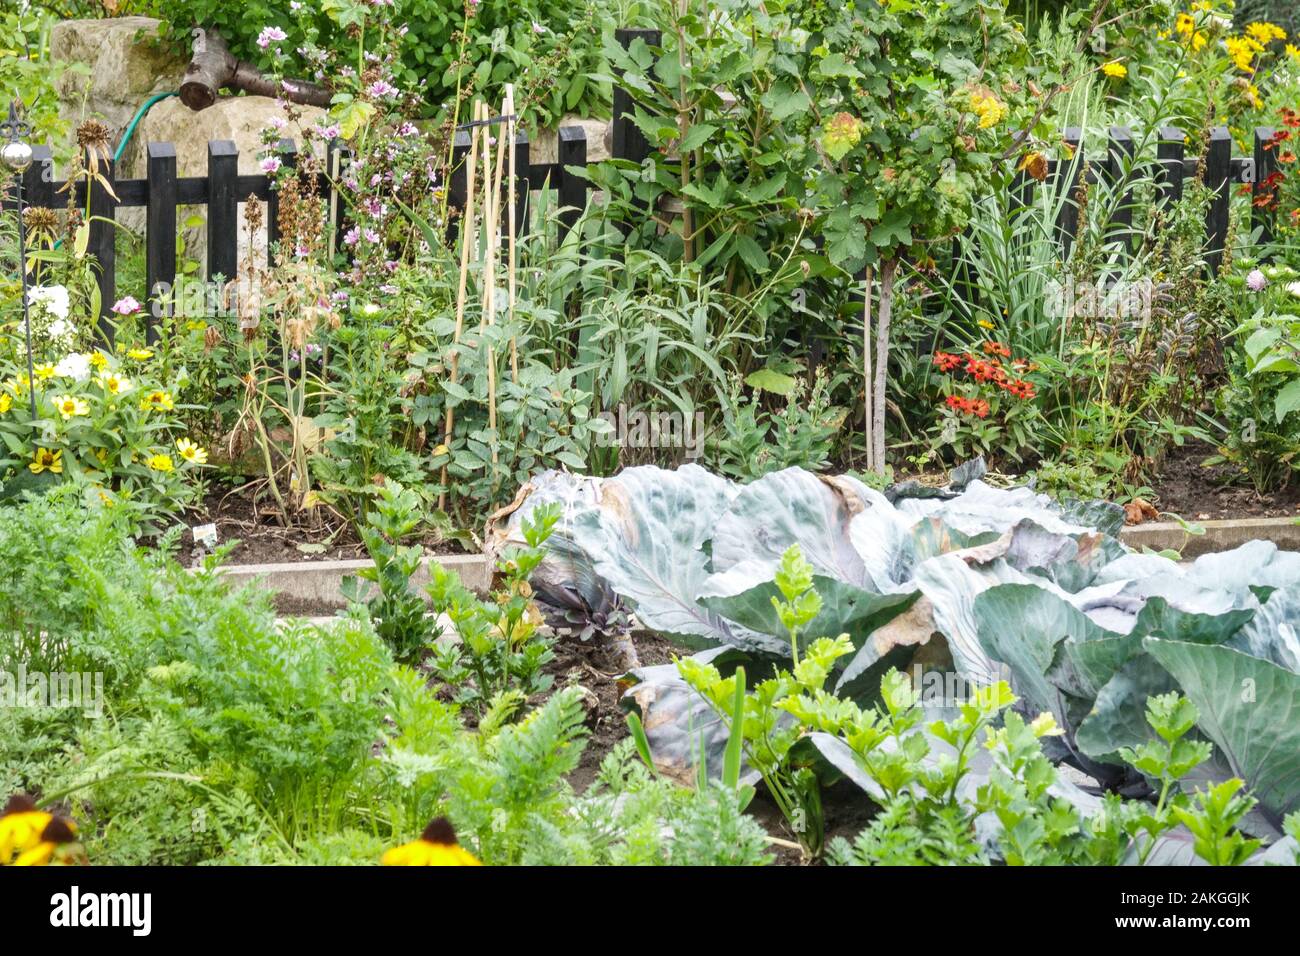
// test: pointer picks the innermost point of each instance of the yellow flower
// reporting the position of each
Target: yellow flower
(985, 324)
(1185, 25)
(98, 360)
(191, 452)
(44, 372)
(436, 847)
(161, 463)
(6, 402)
(28, 836)
(988, 108)
(1242, 50)
(196, 326)
(16, 386)
(1265, 33)
(438, 450)
(69, 406)
(1293, 51)
(157, 400)
(45, 459)
(1115, 68)
(140, 354)
(114, 384)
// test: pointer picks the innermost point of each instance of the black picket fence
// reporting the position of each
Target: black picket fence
(162, 191)
(1220, 171)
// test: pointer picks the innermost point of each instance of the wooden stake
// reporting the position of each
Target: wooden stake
(468, 236)
(508, 109)
(867, 378)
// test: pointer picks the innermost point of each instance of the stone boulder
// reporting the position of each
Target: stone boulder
(128, 63)
(543, 147)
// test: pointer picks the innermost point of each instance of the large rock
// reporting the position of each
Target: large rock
(542, 148)
(128, 63)
(240, 119)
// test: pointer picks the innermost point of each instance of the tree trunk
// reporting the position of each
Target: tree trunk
(888, 268)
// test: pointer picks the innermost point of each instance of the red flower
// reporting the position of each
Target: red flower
(997, 348)
(946, 361)
(1020, 389)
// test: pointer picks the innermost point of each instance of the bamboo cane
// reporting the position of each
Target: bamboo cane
(508, 109)
(492, 169)
(468, 236)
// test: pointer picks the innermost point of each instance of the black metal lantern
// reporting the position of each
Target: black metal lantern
(16, 157)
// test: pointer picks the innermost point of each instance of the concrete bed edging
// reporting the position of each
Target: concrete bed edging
(1221, 535)
(318, 582)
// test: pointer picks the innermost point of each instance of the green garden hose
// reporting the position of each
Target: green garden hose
(139, 114)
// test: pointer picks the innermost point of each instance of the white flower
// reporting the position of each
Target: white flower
(75, 366)
(1294, 289)
(60, 329)
(53, 297)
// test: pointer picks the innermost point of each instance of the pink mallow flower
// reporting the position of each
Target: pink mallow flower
(270, 164)
(127, 305)
(270, 35)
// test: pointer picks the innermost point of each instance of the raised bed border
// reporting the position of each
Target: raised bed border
(1220, 535)
(318, 582)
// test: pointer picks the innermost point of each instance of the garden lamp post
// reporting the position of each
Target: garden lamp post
(16, 155)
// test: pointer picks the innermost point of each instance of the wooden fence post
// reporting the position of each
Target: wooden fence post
(571, 151)
(38, 179)
(339, 159)
(1070, 171)
(1170, 147)
(223, 209)
(1120, 166)
(1265, 165)
(1215, 169)
(521, 181)
(160, 234)
(627, 140)
(102, 208)
(458, 184)
(287, 151)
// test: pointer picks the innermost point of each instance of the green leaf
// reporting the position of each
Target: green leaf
(770, 380)
(1250, 708)
(1287, 400)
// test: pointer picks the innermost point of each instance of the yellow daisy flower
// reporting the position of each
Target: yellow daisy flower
(436, 847)
(140, 354)
(114, 384)
(6, 402)
(191, 452)
(44, 372)
(69, 406)
(157, 401)
(1115, 68)
(161, 463)
(98, 360)
(30, 837)
(46, 460)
